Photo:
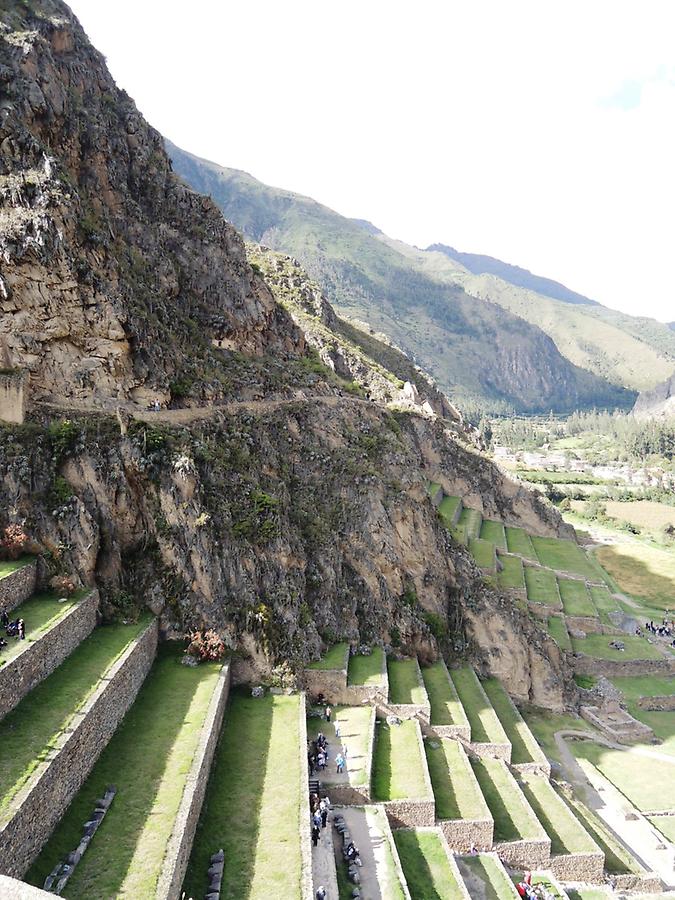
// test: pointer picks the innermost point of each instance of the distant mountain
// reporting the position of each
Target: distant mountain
(671, 325)
(485, 357)
(659, 403)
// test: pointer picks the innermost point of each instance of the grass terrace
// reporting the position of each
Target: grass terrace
(455, 787)
(591, 893)
(564, 556)
(493, 531)
(483, 552)
(645, 686)
(333, 659)
(11, 565)
(356, 723)
(39, 613)
(603, 602)
(398, 764)
(427, 870)
(512, 815)
(524, 748)
(512, 575)
(404, 681)
(254, 802)
(367, 669)
(647, 782)
(566, 833)
(447, 510)
(575, 598)
(148, 759)
(543, 724)
(446, 708)
(470, 519)
(30, 731)
(519, 542)
(485, 726)
(485, 878)
(597, 645)
(666, 825)
(642, 570)
(542, 586)
(558, 631)
(618, 861)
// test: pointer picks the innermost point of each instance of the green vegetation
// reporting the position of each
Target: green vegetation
(653, 789)
(150, 775)
(564, 556)
(470, 520)
(544, 724)
(404, 683)
(398, 765)
(512, 816)
(456, 790)
(558, 631)
(32, 729)
(524, 748)
(8, 566)
(485, 726)
(366, 669)
(356, 724)
(575, 597)
(597, 645)
(666, 825)
(426, 867)
(388, 877)
(542, 586)
(567, 835)
(493, 531)
(519, 542)
(447, 510)
(639, 569)
(333, 658)
(603, 602)
(636, 686)
(483, 552)
(445, 706)
(254, 802)
(512, 575)
(39, 613)
(492, 882)
(617, 859)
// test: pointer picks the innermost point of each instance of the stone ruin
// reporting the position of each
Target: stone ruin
(616, 723)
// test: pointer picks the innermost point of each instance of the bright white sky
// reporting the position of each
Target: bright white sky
(542, 133)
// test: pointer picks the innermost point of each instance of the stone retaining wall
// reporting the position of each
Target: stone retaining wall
(525, 854)
(18, 586)
(496, 751)
(419, 810)
(544, 610)
(657, 704)
(614, 668)
(306, 877)
(179, 847)
(37, 808)
(397, 860)
(588, 624)
(11, 889)
(40, 658)
(452, 862)
(586, 867)
(332, 683)
(646, 883)
(368, 693)
(461, 834)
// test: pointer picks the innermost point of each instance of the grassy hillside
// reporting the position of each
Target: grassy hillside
(482, 355)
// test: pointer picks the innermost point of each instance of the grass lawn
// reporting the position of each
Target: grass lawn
(404, 681)
(604, 602)
(494, 532)
(542, 586)
(333, 659)
(575, 597)
(455, 787)
(11, 565)
(39, 613)
(447, 510)
(485, 878)
(563, 556)
(661, 723)
(519, 542)
(483, 552)
(524, 747)
(28, 733)
(567, 835)
(512, 575)
(597, 645)
(426, 867)
(558, 631)
(355, 727)
(617, 859)
(644, 571)
(367, 669)
(485, 726)
(647, 783)
(666, 825)
(470, 519)
(645, 686)
(398, 765)
(512, 815)
(150, 773)
(446, 708)
(544, 724)
(254, 802)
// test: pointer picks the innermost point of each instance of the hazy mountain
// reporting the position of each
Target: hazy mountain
(659, 403)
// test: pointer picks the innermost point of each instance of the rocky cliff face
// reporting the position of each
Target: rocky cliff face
(659, 403)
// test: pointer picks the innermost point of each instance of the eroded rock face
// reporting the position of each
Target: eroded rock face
(659, 403)
(115, 277)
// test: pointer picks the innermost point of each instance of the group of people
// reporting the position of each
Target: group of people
(319, 808)
(14, 628)
(317, 750)
(665, 629)
(526, 889)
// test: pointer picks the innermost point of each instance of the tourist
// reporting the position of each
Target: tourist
(337, 729)
(316, 819)
(321, 760)
(324, 817)
(328, 713)
(340, 764)
(4, 619)
(21, 630)
(321, 893)
(310, 762)
(316, 833)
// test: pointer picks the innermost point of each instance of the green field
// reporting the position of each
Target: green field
(356, 724)
(367, 669)
(427, 870)
(648, 783)
(641, 570)
(542, 586)
(564, 556)
(558, 631)
(39, 613)
(333, 659)
(150, 775)
(666, 825)
(604, 602)
(524, 748)
(404, 681)
(544, 724)
(576, 598)
(254, 802)
(519, 542)
(7, 566)
(567, 835)
(493, 531)
(483, 552)
(398, 764)
(470, 519)
(31, 730)
(485, 726)
(645, 686)
(512, 576)
(455, 787)
(597, 645)
(447, 510)
(485, 878)
(512, 815)
(446, 708)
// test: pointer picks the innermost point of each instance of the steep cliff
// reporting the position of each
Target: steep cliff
(659, 403)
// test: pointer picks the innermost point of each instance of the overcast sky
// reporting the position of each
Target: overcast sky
(542, 133)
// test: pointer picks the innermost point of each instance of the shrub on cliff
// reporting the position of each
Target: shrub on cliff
(205, 645)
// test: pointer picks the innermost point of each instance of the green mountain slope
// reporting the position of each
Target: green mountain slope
(482, 355)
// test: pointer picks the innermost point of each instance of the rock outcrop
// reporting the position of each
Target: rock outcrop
(659, 403)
